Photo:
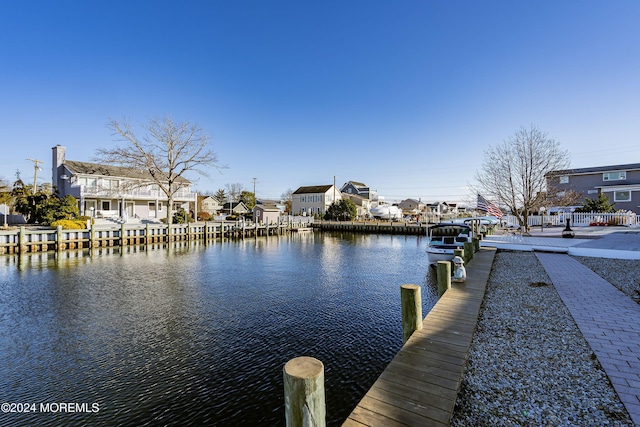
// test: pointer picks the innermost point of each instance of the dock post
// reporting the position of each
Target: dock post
(444, 277)
(304, 403)
(22, 240)
(123, 238)
(458, 252)
(468, 251)
(411, 302)
(60, 246)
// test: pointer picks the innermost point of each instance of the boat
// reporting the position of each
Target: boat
(445, 238)
(389, 212)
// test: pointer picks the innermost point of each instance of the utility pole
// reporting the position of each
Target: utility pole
(36, 167)
(254, 187)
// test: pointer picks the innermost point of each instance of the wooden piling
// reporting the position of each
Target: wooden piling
(22, 240)
(304, 402)
(458, 252)
(468, 251)
(59, 243)
(411, 302)
(444, 277)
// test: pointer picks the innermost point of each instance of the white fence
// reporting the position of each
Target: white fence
(580, 219)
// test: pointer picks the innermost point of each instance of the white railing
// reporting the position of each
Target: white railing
(135, 193)
(580, 219)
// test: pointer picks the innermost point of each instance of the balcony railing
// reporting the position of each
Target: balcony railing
(132, 193)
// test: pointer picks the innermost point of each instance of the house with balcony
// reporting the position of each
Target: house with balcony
(105, 191)
(620, 183)
(314, 200)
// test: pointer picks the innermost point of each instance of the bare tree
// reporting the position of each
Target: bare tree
(234, 191)
(167, 152)
(287, 197)
(513, 173)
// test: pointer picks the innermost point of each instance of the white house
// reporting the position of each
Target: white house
(115, 192)
(210, 205)
(314, 200)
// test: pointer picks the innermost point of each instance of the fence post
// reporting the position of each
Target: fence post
(411, 302)
(444, 277)
(304, 403)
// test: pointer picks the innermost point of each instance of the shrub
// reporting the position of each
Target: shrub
(204, 216)
(70, 224)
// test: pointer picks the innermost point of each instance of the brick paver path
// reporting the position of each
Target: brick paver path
(608, 319)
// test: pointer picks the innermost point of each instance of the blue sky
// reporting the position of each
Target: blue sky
(404, 96)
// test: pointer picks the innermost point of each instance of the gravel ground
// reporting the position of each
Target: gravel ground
(529, 364)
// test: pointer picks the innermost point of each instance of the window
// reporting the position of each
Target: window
(111, 184)
(622, 196)
(88, 182)
(614, 176)
(106, 205)
(564, 179)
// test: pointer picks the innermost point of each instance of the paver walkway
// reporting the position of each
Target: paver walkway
(608, 319)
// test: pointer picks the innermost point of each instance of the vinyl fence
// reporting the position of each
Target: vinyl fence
(581, 219)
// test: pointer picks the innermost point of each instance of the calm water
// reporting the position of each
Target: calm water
(198, 334)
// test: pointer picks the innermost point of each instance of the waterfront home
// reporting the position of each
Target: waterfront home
(105, 191)
(266, 213)
(620, 183)
(363, 205)
(411, 206)
(359, 189)
(314, 200)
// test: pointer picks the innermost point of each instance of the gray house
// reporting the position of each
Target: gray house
(359, 189)
(620, 183)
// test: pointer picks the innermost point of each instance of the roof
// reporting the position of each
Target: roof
(594, 169)
(267, 207)
(313, 189)
(86, 168)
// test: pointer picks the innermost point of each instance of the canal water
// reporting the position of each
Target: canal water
(198, 334)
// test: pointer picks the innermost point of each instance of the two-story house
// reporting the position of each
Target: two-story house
(411, 206)
(620, 183)
(314, 200)
(105, 191)
(209, 204)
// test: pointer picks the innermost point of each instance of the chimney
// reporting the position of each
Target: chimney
(58, 157)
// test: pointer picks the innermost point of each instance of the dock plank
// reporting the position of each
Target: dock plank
(420, 385)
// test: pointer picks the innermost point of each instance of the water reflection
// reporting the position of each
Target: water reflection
(196, 333)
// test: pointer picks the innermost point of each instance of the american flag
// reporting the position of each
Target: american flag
(488, 207)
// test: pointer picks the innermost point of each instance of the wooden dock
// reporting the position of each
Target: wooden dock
(43, 239)
(420, 385)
